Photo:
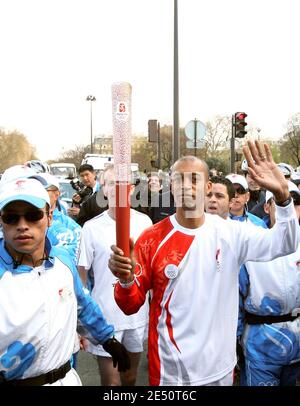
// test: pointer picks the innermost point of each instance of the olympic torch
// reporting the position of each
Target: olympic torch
(121, 108)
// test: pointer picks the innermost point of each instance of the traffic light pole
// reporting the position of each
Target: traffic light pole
(158, 147)
(232, 146)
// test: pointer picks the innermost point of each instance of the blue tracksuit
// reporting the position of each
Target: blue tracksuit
(272, 351)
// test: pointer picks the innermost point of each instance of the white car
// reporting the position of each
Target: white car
(66, 191)
(65, 170)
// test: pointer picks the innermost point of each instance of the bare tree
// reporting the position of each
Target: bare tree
(74, 155)
(290, 142)
(143, 152)
(218, 131)
(166, 146)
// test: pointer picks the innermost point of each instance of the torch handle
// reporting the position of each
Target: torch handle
(123, 218)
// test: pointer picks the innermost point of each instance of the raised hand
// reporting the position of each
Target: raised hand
(264, 170)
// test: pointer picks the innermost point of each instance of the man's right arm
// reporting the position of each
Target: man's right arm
(134, 277)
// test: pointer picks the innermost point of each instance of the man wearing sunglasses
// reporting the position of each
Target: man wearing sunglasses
(238, 211)
(41, 297)
(257, 195)
(238, 204)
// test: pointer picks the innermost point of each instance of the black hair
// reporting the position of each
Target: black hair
(85, 167)
(226, 182)
(156, 174)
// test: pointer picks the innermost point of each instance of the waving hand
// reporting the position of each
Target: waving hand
(264, 170)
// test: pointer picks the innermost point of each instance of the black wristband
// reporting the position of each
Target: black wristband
(285, 203)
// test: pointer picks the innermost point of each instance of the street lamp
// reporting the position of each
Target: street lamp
(258, 133)
(91, 99)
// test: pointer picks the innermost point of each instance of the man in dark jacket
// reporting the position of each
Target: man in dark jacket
(91, 207)
(255, 205)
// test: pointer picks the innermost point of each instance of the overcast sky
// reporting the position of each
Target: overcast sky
(234, 55)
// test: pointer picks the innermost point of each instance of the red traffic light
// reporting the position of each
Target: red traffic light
(240, 116)
(240, 124)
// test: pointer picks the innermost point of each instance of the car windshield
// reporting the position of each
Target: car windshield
(62, 171)
(66, 191)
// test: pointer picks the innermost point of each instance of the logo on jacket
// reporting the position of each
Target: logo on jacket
(171, 271)
(17, 358)
(218, 257)
(65, 293)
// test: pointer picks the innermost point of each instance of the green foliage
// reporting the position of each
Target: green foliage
(220, 162)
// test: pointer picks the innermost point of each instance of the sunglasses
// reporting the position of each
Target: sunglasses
(31, 216)
(240, 190)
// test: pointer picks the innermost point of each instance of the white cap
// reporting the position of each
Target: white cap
(292, 188)
(16, 172)
(286, 169)
(47, 180)
(27, 190)
(239, 179)
(295, 177)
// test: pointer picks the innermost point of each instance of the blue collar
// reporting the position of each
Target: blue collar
(6, 260)
(243, 217)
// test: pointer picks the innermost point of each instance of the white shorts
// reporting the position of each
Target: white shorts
(132, 339)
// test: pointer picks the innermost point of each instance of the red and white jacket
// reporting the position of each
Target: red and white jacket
(193, 278)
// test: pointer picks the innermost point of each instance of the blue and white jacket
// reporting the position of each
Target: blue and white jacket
(272, 288)
(65, 232)
(249, 217)
(256, 221)
(39, 311)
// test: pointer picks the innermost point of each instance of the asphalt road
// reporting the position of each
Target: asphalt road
(88, 370)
